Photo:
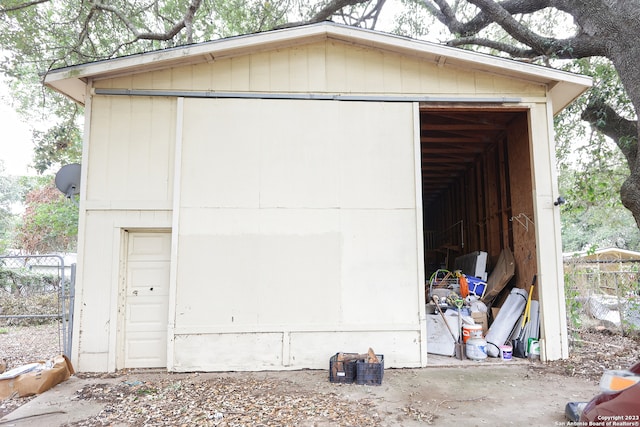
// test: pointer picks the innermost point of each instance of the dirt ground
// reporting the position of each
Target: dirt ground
(519, 392)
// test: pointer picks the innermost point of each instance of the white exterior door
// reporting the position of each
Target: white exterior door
(146, 300)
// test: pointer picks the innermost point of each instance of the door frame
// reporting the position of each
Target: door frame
(124, 234)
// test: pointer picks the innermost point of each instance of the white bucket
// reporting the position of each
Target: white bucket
(476, 349)
(506, 352)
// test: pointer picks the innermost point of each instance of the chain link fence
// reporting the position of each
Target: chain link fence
(38, 289)
(605, 295)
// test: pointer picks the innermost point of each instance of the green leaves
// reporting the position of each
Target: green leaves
(49, 223)
(46, 35)
(9, 194)
(60, 145)
(592, 166)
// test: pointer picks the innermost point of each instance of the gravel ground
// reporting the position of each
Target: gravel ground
(303, 398)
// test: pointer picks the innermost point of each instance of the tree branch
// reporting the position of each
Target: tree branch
(375, 12)
(502, 17)
(185, 22)
(622, 131)
(512, 7)
(22, 6)
(84, 33)
(325, 13)
(502, 14)
(359, 14)
(444, 14)
(512, 50)
(331, 8)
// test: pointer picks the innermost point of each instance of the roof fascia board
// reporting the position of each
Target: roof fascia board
(484, 62)
(201, 52)
(287, 37)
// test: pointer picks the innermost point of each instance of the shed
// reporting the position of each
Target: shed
(264, 201)
(602, 256)
(601, 260)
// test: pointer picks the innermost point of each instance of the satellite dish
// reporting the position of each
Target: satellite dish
(68, 180)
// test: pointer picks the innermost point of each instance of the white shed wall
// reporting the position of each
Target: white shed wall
(554, 336)
(132, 153)
(128, 184)
(295, 223)
(306, 226)
(98, 283)
(330, 67)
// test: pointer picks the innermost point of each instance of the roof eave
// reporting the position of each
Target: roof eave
(563, 87)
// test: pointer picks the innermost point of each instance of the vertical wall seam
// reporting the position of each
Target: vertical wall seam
(175, 229)
(422, 316)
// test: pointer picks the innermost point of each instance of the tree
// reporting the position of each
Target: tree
(602, 29)
(58, 146)
(8, 196)
(49, 223)
(593, 216)
(43, 34)
(592, 170)
(39, 35)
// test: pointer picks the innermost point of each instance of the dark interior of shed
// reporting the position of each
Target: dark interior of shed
(476, 179)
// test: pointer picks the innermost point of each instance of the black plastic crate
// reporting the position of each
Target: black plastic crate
(370, 373)
(342, 372)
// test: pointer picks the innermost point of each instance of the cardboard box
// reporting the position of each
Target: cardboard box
(481, 319)
(35, 378)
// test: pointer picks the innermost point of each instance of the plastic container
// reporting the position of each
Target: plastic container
(533, 348)
(476, 349)
(506, 352)
(471, 331)
(476, 286)
(370, 373)
(342, 372)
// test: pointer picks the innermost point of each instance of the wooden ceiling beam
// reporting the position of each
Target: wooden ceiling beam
(451, 140)
(462, 127)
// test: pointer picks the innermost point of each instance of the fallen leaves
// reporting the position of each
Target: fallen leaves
(593, 351)
(222, 401)
(145, 398)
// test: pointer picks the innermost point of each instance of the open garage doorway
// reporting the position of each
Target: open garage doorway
(477, 185)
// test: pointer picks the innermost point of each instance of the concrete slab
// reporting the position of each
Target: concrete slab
(57, 406)
(436, 360)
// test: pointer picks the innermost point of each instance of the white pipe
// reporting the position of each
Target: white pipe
(298, 96)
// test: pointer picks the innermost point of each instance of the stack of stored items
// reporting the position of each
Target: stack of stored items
(516, 326)
(364, 369)
(467, 296)
(452, 329)
(443, 282)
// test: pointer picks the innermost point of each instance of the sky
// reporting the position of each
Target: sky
(16, 148)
